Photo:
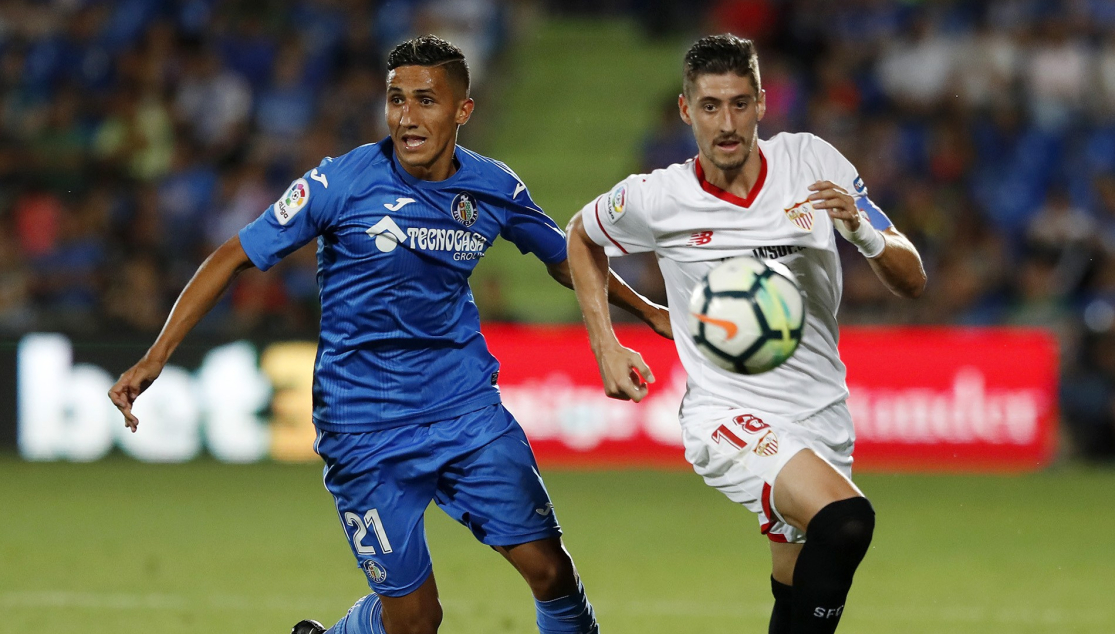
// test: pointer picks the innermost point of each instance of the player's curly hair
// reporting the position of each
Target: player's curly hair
(720, 54)
(431, 50)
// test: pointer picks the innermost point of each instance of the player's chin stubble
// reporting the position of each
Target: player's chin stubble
(730, 166)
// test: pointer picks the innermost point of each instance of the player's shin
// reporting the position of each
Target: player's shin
(836, 541)
(572, 614)
(365, 617)
(780, 614)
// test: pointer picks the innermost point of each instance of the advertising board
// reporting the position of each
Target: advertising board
(935, 399)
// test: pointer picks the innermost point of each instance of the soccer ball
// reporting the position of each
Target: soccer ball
(746, 315)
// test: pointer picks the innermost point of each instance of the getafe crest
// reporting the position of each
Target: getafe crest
(375, 572)
(464, 209)
(801, 214)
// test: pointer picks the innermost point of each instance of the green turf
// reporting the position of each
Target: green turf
(119, 547)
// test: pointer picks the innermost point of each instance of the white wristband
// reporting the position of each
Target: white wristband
(870, 241)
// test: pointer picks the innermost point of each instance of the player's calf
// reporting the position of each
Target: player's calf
(837, 539)
(559, 597)
(385, 615)
(780, 613)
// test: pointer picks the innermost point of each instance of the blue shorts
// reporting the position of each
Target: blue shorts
(478, 468)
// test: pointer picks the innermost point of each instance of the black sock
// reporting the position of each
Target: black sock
(836, 540)
(780, 615)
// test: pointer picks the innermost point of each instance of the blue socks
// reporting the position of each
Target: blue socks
(568, 615)
(365, 617)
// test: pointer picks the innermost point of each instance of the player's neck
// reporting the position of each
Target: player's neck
(738, 181)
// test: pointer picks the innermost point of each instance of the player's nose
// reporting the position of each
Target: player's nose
(405, 117)
(725, 123)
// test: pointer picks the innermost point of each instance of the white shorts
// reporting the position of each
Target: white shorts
(740, 454)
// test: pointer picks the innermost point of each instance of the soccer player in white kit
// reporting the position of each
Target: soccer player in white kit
(779, 443)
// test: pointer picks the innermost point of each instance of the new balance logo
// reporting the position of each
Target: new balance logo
(699, 239)
(399, 203)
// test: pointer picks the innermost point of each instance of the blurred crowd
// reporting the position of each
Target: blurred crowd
(986, 130)
(137, 135)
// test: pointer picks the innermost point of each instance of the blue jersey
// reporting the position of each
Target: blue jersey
(400, 339)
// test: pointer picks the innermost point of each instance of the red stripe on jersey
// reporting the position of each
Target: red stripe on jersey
(777, 538)
(605, 231)
(728, 196)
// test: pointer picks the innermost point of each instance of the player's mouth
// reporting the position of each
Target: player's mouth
(729, 145)
(413, 142)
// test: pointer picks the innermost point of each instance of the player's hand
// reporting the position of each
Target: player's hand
(837, 202)
(658, 318)
(626, 376)
(131, 384)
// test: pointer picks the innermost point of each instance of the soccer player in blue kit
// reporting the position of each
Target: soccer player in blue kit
(406, 401)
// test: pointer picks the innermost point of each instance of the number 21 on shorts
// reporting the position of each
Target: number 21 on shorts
(370, 520)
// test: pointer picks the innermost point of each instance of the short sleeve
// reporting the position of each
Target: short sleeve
(619, 219)
(838, 169)
(302, 213)
(531, 230)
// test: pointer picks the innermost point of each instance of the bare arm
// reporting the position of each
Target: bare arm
(897, 263)
(210, 281)
(620, 367)
(620, 295)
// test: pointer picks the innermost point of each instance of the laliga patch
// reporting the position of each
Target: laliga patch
(801, 214)
(616, 202)
(292, 201)
(464, 209)
(858, 184)
(375, 572)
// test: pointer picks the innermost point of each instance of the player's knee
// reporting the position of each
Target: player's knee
(845, 526)
(552, 578)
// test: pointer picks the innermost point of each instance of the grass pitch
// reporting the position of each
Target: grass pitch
(120, 547)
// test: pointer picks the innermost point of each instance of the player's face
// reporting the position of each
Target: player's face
(724, 112)
(423, 112)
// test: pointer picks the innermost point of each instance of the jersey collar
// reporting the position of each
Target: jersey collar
(728, 196)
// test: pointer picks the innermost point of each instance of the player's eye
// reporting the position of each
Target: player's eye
(741, 104)
(710, 107)
(426, 101)
(396, 100)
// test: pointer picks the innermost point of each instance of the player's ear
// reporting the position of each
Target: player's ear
(683, 109)
(464, 111)
(761, 105)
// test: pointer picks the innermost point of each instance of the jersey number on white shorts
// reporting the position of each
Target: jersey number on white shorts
(370, 520)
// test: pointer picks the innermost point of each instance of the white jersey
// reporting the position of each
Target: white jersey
(691, 225)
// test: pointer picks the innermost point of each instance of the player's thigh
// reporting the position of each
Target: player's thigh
(783, 558)
(495, 489)
(806, 484)
(382, 483)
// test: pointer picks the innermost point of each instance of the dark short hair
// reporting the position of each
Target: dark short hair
(431, 50)
(719, 55)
